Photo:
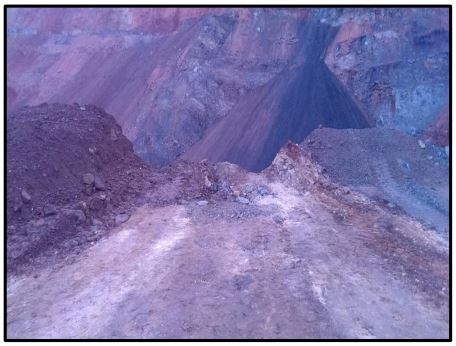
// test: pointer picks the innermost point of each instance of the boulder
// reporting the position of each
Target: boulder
(96, 203)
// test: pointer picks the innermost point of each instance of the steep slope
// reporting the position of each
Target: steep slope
(394, 61)
(168, 75)
(302, 97)
(68, 167)
(165, 74)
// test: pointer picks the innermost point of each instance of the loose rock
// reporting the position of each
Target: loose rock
(26, 196)
(242, 200)
(49, 210)
(77, 215)
(263, 190)
(121, 218)
(96, 222)
(201, 203)
(39, 222)
(88, 178)
(99, 184)
(346, 190)
(113, 135)
(278, 219)
(17, 207)
(248, 189)
(421, 144)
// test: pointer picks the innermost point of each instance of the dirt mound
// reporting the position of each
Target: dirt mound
(72, 177)
(388, 165)
(67, 168)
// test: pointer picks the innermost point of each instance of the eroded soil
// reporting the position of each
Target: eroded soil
(308, 260)
(344, 236)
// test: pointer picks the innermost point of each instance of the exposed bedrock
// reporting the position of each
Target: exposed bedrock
(394, 62)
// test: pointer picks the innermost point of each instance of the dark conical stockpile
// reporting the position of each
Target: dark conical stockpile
(302, 97)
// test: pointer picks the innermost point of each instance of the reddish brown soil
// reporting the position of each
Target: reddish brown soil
(438, 132)
(305, 258)
(49, 149)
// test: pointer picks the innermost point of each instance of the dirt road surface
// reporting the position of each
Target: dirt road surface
(294, 265)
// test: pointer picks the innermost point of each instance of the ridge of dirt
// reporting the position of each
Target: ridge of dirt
(305, 258)
(212, 251)
(388, 166)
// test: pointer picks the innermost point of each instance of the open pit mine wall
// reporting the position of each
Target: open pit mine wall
(300, 98)
(169, 75)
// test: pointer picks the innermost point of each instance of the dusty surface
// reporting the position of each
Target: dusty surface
(305, 258)
(390, 167)
(50, 151)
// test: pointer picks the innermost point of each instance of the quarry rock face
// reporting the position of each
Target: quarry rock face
(303, 96)
(394, 62)
(176, 78)
(165, 87)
